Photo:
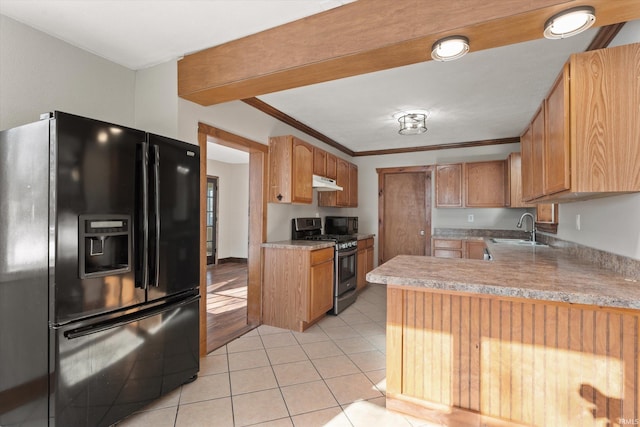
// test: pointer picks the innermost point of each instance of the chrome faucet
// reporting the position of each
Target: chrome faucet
(533, 224)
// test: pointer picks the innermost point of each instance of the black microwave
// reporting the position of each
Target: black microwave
(341, 225)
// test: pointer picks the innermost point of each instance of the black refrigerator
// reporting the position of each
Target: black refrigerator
(99, 270)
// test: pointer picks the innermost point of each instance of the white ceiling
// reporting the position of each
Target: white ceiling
(488, 94)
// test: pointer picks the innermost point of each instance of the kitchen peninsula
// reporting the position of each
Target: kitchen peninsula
(535, 336)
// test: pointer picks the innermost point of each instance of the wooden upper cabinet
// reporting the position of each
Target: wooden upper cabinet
(331, 166)
(353, 185)
(342, 197)
(449, 186)
(291, 167)
(526, 165)
(591, 128)
(537, 154)
(514, 191)
(346, 176)
(557, 151)
(319, 162)
(485, 184)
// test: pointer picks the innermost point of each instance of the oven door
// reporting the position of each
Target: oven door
(346, 270)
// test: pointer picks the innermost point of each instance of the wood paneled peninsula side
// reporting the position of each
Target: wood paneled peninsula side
(534, 337)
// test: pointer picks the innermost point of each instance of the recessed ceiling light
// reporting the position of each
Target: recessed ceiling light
(569, 22)
(450, 48)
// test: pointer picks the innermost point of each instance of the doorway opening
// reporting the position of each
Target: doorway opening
(212, 219)
(249, 272)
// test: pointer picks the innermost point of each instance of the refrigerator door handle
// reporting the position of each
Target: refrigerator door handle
(126, 319)
(155, 152)
(142, 251)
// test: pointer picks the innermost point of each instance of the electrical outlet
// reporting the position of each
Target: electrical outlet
(578, 225)
(470, 218)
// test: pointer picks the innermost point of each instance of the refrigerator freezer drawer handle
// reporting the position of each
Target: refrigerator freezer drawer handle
(126, 319)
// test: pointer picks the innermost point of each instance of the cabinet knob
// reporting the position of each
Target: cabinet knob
(279, 197)
(422, 232)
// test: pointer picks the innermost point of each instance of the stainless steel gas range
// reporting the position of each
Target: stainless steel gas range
(344, 259)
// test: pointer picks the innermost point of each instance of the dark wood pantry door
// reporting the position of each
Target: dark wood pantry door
(404, 210)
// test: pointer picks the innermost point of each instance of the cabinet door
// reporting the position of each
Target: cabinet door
(485, 184)
(527, 164)
(514, 181)
(302, 165)
(547, 213)
(474, 250)
(342, 197)
(537, 154)
(319, 162)
(557, 141)
(320, 289)
(449, 186)
(361, 268)
(353, 185)
(369, 258)
(331, 166)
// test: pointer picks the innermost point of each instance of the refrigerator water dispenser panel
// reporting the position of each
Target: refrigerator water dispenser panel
(105, 245)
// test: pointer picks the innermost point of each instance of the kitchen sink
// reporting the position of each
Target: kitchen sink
(519, 242)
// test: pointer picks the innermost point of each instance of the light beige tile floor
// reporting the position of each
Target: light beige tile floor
(333, 374)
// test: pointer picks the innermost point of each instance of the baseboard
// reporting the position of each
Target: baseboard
(232, 259)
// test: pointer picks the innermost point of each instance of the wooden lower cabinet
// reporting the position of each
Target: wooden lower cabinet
(364, 262)
(447, 248)
(524, 361)
(458, 248)
(298, 287)
(474, 249)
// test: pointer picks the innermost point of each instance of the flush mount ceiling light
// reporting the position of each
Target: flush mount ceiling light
(570, 22)
(412, 123)
(450, 48)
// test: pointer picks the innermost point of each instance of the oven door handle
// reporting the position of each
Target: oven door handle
(347, 253)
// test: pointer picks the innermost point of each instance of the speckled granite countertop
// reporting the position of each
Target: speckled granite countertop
(541, 273)
(361, 236)
(303, 245)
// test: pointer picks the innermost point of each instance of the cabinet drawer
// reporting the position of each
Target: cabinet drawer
(447, 244)
(321, 255)
(447, 253)
(365, 243)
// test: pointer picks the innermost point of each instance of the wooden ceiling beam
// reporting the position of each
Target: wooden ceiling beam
(367, 36)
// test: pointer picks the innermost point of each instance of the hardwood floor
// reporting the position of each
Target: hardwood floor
(226, 303)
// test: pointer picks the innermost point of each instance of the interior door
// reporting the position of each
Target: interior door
(405, 212)
(212, 219)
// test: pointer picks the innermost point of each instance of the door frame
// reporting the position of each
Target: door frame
(258, 157)
(382, 172)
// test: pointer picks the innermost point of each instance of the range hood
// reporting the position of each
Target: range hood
(322, 183)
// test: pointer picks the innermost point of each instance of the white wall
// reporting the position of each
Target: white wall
(39, 73)
(156, 103)
(233, 208)
(610, 224)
